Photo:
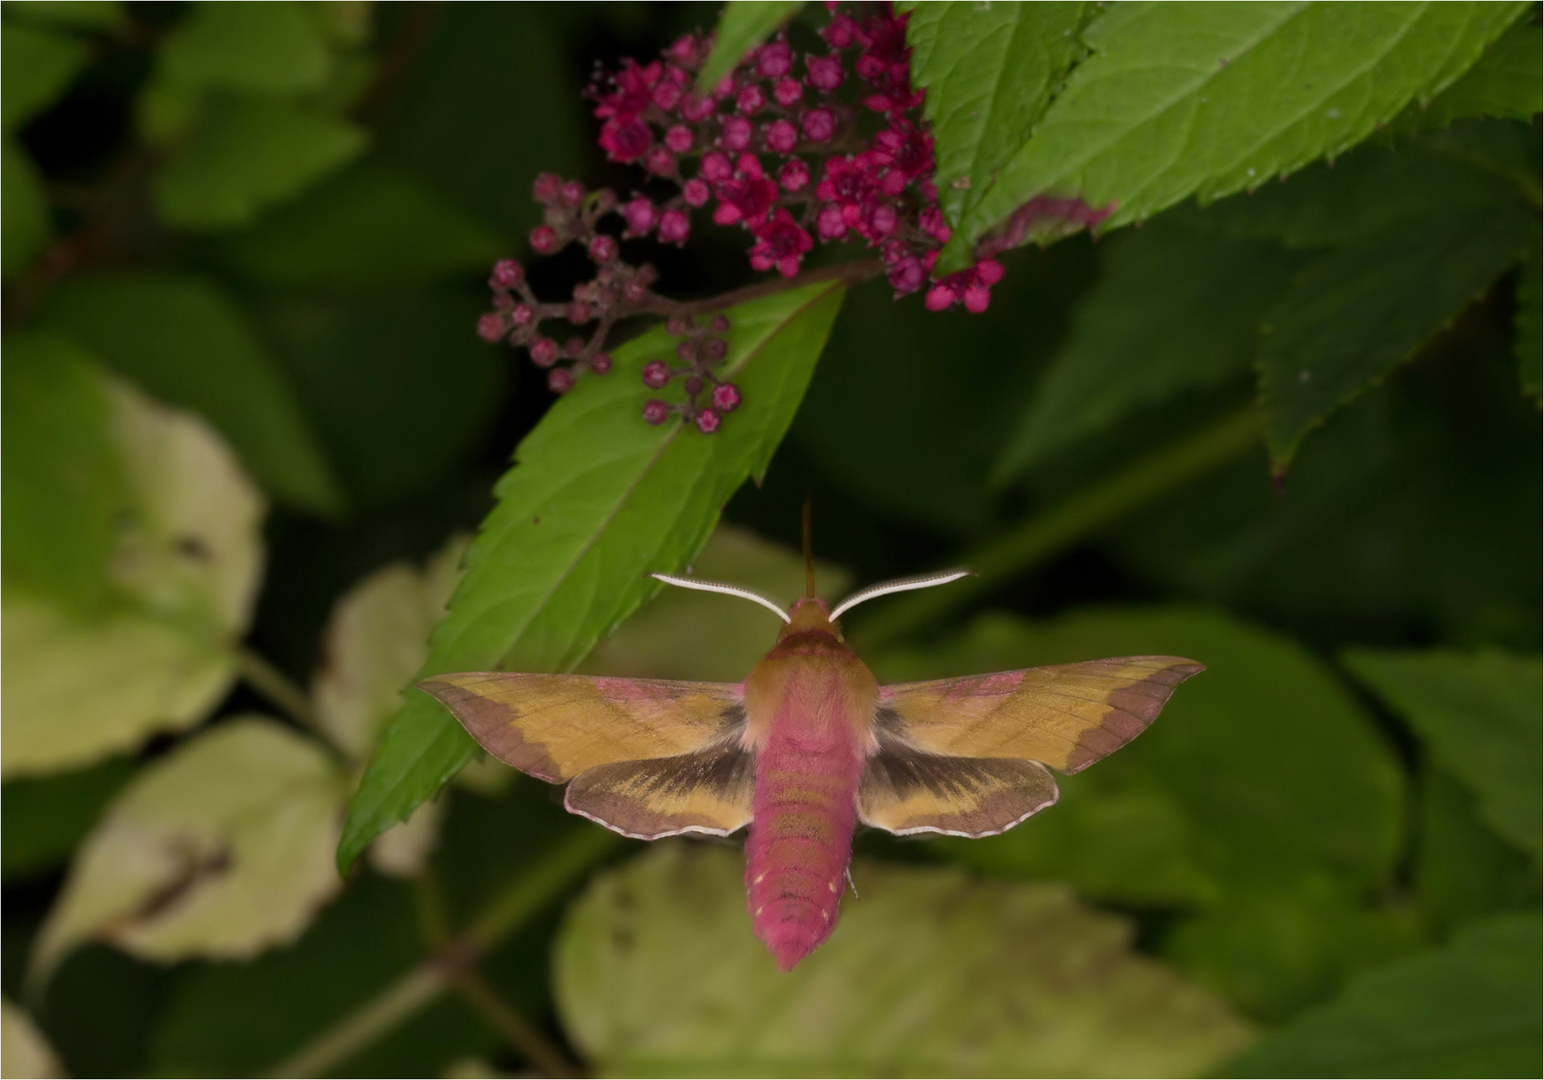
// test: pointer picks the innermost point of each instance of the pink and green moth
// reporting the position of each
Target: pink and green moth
(808, 746)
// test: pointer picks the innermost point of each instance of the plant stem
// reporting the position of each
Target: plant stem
(1060, 527)
(516, 1029)
(419, 988)
(277, 687)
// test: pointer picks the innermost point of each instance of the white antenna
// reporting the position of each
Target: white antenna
(905, 584)
(728, 590)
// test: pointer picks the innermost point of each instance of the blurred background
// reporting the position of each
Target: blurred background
(244, 256)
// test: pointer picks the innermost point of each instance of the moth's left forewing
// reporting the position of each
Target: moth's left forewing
(1067, 716)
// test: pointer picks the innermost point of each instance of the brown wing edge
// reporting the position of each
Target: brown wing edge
(491, 724)
(635, 798)
(1131, 710)
(954, 796)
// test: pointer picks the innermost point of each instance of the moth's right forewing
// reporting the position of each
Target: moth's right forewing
(554, 727)
(1067, 716)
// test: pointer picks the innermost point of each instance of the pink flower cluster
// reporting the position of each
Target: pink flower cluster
(826, 147)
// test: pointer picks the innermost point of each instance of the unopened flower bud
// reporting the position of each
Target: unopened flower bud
(603, 249)
(544, 352)
(655, 411)
(674, 227)
(715, 167)
(720, 324)
(560, 380)
(600, 363)
(578, 313)
(824, 73)
(679, 138)
(660, 162)
(736, 134)
(692, 385)
(572, 193)
(506, 274)
(546, 187)
(714, 349)
(544, 239)
(655, 374)
(781, 136)
(639, 216)
(491, 327)
(677, 325)
(750, 100)
(707, 421)
(634, 292)
(522, 315)
(696, 192)
(787, 92)
(819, 124)
(774, 60)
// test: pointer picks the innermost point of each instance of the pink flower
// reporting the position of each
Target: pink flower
(781, 244)
(674, 227)
(747, 196)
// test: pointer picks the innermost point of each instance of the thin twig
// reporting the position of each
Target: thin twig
(519, 1032)
(847, 273)
(277, 687)
(516, 905)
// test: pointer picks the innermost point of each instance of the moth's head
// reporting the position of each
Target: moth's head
(810, 614)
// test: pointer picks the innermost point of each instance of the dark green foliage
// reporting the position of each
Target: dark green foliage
(1283, 418)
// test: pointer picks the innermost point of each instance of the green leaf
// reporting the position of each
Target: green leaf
(1479, 714)
(1470, 1008)
(1176, 310)
(401, 394)
(743, 25)
(220, 849)
(37, 66)
(989, 71)
(1274, 951)
(1530, 329)
(186, 341)
(371, 226)
(271, 48)
(1362, 311)
(1463, 869)
(596, 501)
(47, 817)
(682, 634)
(69, 14)
(1505, 82)
(931, 974)
(184, 576)
(1201, 807)
(63, 487)
(1241, 94)
(24, 223)
(244, 156)
(23, 1049)
(448, 120)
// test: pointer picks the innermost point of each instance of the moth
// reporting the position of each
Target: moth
(809, 746)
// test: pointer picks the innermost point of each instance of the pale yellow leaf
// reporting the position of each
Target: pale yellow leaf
(24, 1052)
(185, 573)
(931, 973)
(220, 849)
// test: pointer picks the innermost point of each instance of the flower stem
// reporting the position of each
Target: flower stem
(519, 1032)
(414, 991)
(1056, 529)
